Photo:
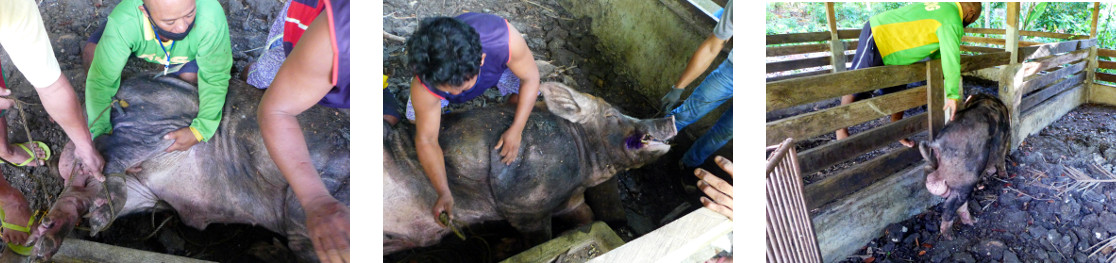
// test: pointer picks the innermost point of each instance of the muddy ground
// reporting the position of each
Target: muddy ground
(649, 194)
(69, 23)
(1035, 214)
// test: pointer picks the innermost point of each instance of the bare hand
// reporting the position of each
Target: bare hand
(91, 162)
(950, 108)
(183, 139)
(328, 222)
(510, 141)
(444, 204)
(719, 191)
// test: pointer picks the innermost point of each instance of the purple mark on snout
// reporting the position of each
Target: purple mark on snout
(635, 141)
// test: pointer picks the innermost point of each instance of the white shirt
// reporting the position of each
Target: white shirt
(25, 39)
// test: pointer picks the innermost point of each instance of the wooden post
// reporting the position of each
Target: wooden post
(837, 57)
(935, 97)
(1012, 34)
(1091, 70)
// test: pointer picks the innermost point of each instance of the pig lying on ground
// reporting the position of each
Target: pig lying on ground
(974, 143)
(229, 179)
(580, 142)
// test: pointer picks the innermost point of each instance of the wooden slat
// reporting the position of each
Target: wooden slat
(1106, 77)
(935, 98)
(797, 38)
(1093, 20)
(1048, 92)
(852, 45)
(1102, 94)
(800, 63)
(971, 63)
(791, 92)
(983, 40)
(1086, 43)
(1040, 81)
(996, 31)
(1042, 115)
(799, 75)
(796, 49)
(1047, 34)
(849, 181)
(826, 121)
(1046, 63)
(835, 152)
(980, 49)
(1045, 50)
(848, 33)
(1106, 64)
(1106, 53)
(1011, 34)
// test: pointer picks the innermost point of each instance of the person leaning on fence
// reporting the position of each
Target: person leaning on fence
(911, 34)
(24, 37)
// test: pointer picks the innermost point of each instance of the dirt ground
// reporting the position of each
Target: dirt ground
(1036, 214)
(69, 23)
(649, 194)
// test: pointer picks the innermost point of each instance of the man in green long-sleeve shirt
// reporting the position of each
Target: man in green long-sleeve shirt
(911, 34)
(194, 35)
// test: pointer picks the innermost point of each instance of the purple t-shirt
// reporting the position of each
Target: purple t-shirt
(338, 12)
(493, 31)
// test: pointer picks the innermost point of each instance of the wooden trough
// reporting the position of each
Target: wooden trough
(1039, 82)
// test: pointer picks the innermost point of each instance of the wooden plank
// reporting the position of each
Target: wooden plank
(79, 250)
(799, 75)
(786, 93)
(935, 98)
(1046, 34)
(836, 48)
(1048, 92)
(844, 226)
(1102, 94)
(1012, 31)
(797, 38)
(1045, 50)
(1034, 67)
(980, 49)
(1086, 43)
(1030, 85)
(1093, 20)
(1106, 53)
(799, 63)
(996, 31)
(674, 242)
(826, 121)
(1106, 77)
(1105, 64)
(1042, 115)
(848, 33)
(851, 45)
(971, 63)
(796, 49)
(983, 40)
(835, 152)
(849, 181)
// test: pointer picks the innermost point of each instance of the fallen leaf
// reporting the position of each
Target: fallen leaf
(870, 260)
(920, 253)
(927, 245)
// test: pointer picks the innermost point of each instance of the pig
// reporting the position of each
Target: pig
(574, 142)
(973, 144)
(229, 179)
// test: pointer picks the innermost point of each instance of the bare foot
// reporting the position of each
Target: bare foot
(907, 142)
(16, 212)
(15, 154)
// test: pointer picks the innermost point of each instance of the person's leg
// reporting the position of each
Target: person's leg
(714, 90)
(189, 72)
(867, 55)
(509, 84)
(16, 212)
(391, 115)
(91, 46)
(261, 72)
(11, 152)
(707, 144)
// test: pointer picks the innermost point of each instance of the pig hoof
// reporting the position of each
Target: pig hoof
(50, 234)
(106, 209)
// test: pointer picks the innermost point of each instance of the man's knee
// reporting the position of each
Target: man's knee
(192, 78)
(87, 54)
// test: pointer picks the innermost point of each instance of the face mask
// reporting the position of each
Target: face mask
(167, 34)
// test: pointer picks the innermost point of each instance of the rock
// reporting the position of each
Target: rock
(910, 240)
(1109, 220)
(1090, 220)
(1036, 232)
(964, 258)
(992, 249)
(896, 232)
(1069, 210)
(1015, 221)
(1010, 257)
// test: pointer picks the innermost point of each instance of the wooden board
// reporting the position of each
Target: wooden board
(796, 49)
(1106, 53)
(1106, 77)
(1044, 50)
(1034, 67)
(1039, 81)
(996, 31)
(848, 33)
(791, 92)
(1042, 95)
(1106, 64)
(856, 178)
(799, 75)
(834, 152)
(935, 98)
(1102, 94)
(1048, 34)
(981, 49)
(797, 38)
(829, 120)
(983, 40)
(800, 63)
(1042, 115)
(674, 242)
(844, 226)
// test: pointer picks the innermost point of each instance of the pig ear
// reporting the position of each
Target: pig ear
(564, 101)
(928, 154)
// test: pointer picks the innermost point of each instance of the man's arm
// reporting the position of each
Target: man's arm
(103, 79)
(214, 60)
(302, 81)
(950, 49)
(428, 118)
(523, 65)
(700, 61)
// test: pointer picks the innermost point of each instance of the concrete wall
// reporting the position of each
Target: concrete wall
(650, 41)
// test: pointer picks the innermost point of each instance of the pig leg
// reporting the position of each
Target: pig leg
(577, 211)
(535, 229)
(963, 212)
(87, 197)
(951, 206)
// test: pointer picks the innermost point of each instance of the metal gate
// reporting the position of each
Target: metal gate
(790, 234)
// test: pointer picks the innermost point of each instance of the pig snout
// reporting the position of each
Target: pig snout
(937, 186)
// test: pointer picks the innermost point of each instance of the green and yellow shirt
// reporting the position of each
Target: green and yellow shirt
(920, 30)
(128, 32)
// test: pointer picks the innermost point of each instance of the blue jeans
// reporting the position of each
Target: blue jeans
(713, 91)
